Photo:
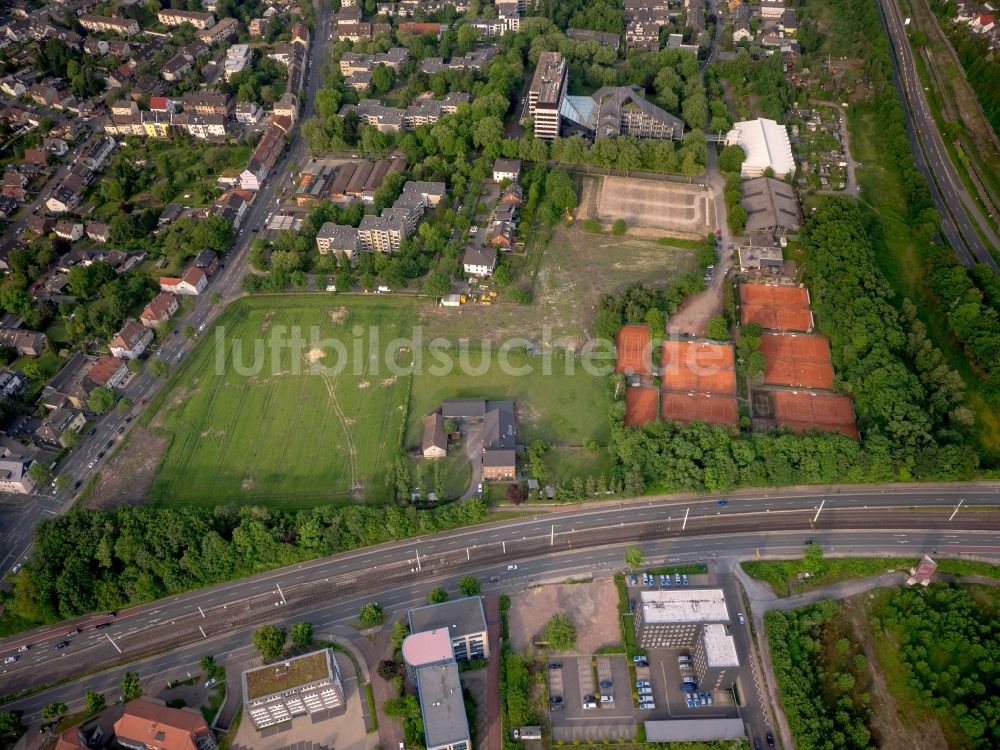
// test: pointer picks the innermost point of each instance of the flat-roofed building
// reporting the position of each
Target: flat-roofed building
(465, 621)
(308, 684)
(715, 658)
(427, 647)
(545, 95)
(672, 618)
(442, 706)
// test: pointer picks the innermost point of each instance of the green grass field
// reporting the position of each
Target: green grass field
(285, 434)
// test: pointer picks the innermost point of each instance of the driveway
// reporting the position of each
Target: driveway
(474, 452)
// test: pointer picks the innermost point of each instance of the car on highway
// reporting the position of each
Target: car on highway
(109, 443)
(121, 429)
(92, 463)
(102, 626)
(11, 659)
(62, 644)
(756, 744)
(92, 432)
(100, 455)
(512, 566)
(24, 648)
(741, 618)
(723, 503)
(770, 740)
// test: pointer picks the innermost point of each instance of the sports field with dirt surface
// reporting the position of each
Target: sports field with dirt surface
(672, 206)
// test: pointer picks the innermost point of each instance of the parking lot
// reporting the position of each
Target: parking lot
(577, 681)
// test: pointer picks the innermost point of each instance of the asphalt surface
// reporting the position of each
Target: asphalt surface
(911, 520)
(21, 513)
(233, 649)
(957, 208)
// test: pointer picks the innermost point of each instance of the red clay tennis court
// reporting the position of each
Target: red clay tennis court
(795, 360)
(783, 308)
(633, 352)
(640, 406)
(698, 366)
(688, 407)
(804, 410)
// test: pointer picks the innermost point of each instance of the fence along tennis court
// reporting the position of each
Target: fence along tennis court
(632, 343)
(783, 308)
(640, 406)
(703, 407)
(796, 360)
(698, 366)
(808, 410)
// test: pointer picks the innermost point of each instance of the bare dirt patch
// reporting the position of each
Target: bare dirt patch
(247, 484)
(593, 608)
(338, 315)
(673, 206)
(126, 477)
(314, 355)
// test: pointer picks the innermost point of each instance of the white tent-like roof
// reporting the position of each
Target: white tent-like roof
(766, 145)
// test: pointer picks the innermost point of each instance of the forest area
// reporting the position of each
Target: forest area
(943, 643)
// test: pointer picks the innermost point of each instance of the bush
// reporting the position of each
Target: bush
(560, 633)
(371, 614)
(619, 227)
(591, 225)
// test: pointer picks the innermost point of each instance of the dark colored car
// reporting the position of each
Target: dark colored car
(62, 644)
(76, 484)
(92, 432)
(555, 665)
(605, 684)
(109, 443)
(770, 740)
(102, 626)
(756, 744)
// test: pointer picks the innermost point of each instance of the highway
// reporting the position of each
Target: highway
(21, 516)
(906, 520)
(953, 201)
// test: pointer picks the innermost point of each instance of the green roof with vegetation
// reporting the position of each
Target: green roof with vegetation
(281, 676)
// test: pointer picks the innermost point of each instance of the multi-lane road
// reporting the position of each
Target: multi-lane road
(900, 520)
(19, 517)
(960, 216)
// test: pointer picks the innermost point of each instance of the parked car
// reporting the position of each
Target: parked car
(677, 578)
(756, 744)
(741, 618)
(555, 665)
(606, 698)
(633, 580)
(16, 569)
(211, 683)
(643, 683)
(590, 704)
(685, 578)
(605, 684)
(645, 691)
(663, 581)
(647, 706)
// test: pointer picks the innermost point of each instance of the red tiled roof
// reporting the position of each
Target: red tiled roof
(194, 276)
(157, 726)
(158, 103)
(104, 369)
(160, 308)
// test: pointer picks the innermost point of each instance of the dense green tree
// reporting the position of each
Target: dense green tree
(302, 633)
(371, 614)
(269, 640)
(437, 595)
(129, 686)
(469, 586)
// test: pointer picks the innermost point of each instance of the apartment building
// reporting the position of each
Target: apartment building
(545, 96)
(171, 18)
(109, 25)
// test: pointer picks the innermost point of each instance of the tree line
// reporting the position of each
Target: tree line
(110, 559)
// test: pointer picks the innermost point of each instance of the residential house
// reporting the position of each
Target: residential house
(435, 442)
(151, 725)
(14, 475)
(506, 169)
(98, 231)
(36, 156)
(14, 184)
(287, 106)
(171, 18)
(107, 372)
(193, 282)
(131, 341)
(248, 113)
(480, 261)
(96, 153)
(8, 207)
(265, 156)
(26, 343)
(50, 431)
(772, 8)
(12, 384)
(69, 384)
(238, 57)
(208, 103)
(338, 239)
(161, 309)
(226, 29)
(232, 206)
(176, 67)
(69, 230)
(110, 25)
(208, 261)
(40, 225)
(499, 433)
(67, 195)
